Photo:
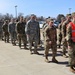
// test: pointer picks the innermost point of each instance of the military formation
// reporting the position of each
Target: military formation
(27, 34)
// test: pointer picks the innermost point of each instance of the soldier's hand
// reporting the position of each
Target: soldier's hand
(63, 39)
(27, 35)
(50, 42)
(69, 47)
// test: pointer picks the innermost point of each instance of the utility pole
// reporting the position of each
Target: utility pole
(16, 11)
(69, 10)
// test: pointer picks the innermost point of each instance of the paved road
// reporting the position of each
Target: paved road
(15, 61)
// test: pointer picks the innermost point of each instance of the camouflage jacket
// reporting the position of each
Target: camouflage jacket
(21, 27)
(5, 28)
(32, 27)
(12, 27)
(64, 28)
(50, 34)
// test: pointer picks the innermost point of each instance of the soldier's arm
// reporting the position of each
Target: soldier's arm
(38, 30)
(17, 27)
(68, 37)
(9, 28)
(59, 29)
(3, 28)
(63, 30)
(59, 26)
(46, 34)
(27, 28)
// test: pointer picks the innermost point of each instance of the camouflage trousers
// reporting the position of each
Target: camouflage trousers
(13, 36)
(22, 38)
(6, 36)
(59, 39)
(71, 52)
(33, 39)
(64, 46)
(53, 47)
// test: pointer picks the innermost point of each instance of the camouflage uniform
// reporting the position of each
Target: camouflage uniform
(59, 34)
(71, 44)
(50, 36)
(5, 32)
(12, 31)
(32, 31)
(64, 42)
(21, 34)
(71, 51)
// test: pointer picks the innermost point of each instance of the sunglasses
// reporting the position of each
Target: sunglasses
(52, 22)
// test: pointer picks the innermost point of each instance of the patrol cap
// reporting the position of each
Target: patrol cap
(63, 18)
(51, 20)
(6, 21)
(48, 19)
(73, 14)
(68, 15)
(33, 15)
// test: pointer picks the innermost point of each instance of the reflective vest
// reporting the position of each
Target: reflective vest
(73, 31)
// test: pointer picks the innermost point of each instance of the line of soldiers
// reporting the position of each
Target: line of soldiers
(24, 32)
(66, 35)
(15, 31)
(29, 33)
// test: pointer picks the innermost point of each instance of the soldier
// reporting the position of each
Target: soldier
(5, 31)
(59, 35)
(50, 41)
(12, 31)
(21, 32)
(71, 43)
(64, 42)
(32, 32)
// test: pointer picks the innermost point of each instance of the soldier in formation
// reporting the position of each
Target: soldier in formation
(5, 31)
(12, 31)
(50, 41)
(71, 43)
(21, 33)
(64, 28)
(59, 35)
(32, 32)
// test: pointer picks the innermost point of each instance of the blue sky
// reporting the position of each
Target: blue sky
(38, 7)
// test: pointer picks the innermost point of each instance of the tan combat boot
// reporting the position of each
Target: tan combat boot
(65, 56)
(72, 69)
(54, 60)
(35, 51)
(46, 59)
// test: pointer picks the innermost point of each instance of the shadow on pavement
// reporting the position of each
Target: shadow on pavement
(63, 63)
